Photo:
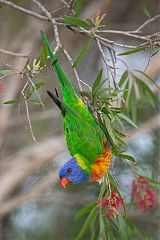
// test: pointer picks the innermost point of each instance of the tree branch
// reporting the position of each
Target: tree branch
(48, 17)
(24, 10)
(147, 22)
(14, 54)
(51, 19)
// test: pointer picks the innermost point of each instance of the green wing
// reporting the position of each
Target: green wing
(82, 137)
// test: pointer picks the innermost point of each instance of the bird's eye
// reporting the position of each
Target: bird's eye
(69, 170)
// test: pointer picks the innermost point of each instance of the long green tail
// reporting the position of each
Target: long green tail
(68, 92)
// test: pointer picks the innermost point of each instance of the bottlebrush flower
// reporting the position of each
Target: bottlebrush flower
(143, 195)
(113, 202)
(103, 201)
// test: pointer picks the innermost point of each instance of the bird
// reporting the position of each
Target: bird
(89, 148)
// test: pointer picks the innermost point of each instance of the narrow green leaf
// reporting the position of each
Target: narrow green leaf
(109, 232)
(14, 101)
(103, 188)
(120, 140)
(98, 88)
(110, 129)
(127, 119)
(98, 80)
(105, 130)
(113, 94)
(122, 227)
(141, 92)
(120, 122)
(149, 78)
(147, 94)
(109, 112)
(114, 109)
(132, 103)
(135, 50)
(101, 225)
(121, 134)
(34, 88)
(155, 185)
(150, 95)
(7, 72)
(79, 5)
(44, 54)
(93, 228)
(146, 11)
(82, 53)
(76, 22)
(151, 98)
(89, 219)
(84, 210)
(135, 230)
(123, 79)
(103, 90)
(26, 64)
(84, 94)
(36, 102)
(125, 92)
(128, 157)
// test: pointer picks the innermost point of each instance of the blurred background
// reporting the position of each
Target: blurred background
(33, 205)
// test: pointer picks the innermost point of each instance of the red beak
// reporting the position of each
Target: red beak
(64, 182)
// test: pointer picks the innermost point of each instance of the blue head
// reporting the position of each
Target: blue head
(72, 173)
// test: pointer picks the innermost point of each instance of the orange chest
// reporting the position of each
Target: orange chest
(100, 167)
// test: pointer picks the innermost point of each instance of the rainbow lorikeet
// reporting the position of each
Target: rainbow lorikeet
(86, 142)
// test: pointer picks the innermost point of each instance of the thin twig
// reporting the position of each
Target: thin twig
(55, 22)
(1, 78)
(104, 59)
(85, 84)
(11, 66)
(57, 10)
(51, 19)
(14, 54)
(108, 183)
(24, 10)
(74, 69)
(113, 42)
(27, 111)
(19, 108)
(103, 55)
(32, 83)
(147, 22)
(68, 6)
(108, 67)
(36, 116)
(128, 34)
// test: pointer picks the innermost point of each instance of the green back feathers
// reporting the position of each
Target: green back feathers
(81, 136)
